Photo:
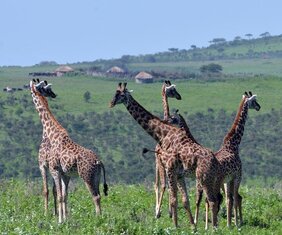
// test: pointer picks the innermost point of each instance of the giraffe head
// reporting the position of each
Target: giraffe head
(175, 118)
(40, 90)
(121, 95)
(251, 101)
(171, 91)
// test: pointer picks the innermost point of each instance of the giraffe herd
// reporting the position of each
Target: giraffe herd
(177, 155)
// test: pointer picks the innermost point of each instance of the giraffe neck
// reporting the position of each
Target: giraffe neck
(182, 124)
(233, 138)
(165, 104)
(51, 127)
(150, 123)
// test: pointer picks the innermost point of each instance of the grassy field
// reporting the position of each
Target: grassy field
(196, 96)
(129, 209)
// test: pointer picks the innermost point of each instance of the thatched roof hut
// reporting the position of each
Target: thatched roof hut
(143, 77)
(63, 69)
(115, 69)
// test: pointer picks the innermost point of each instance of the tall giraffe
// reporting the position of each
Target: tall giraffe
(168, 91)
(44, 150)
(178, 120)
(67, 157)
(230, 166)
(230, 170)
(183, 155)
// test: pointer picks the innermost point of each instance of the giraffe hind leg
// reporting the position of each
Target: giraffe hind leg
(172, 186)
(92, 183)
(199, 196)
(185, 199)
(160, 181)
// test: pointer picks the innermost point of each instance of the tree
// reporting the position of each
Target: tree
(173, 49)
(211, 68)
(248, 35)
(87, 96)
(193, 47)
(217, 41)
(264, 35)
(237, 38)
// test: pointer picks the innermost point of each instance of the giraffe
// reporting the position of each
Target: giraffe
(44, 150)
(178, 120)
(168, 90)
(181, 155)
(67, 157)
(230, 166)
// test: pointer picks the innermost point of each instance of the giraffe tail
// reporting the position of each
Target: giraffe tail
(106, 188)
(145, 150)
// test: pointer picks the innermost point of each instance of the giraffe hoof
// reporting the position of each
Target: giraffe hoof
(158, 215)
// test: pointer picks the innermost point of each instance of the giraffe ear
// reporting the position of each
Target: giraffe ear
(130, 91)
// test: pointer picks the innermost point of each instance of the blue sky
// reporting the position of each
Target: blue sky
(68, 31)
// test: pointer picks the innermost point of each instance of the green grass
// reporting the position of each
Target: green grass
(196, 96)
(129, 209)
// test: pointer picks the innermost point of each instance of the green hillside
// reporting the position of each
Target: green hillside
(238, 57)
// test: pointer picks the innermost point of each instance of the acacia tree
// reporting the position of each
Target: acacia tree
(211, 68)
(217, 41)
(248, 35)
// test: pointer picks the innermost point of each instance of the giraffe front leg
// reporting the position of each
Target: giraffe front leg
(45, 188)
(65, 184)
(212, 203)
(160, 179)
(236, 201)
(55, 198)
(172, 186)
(240, 209)
(207, 215)
(229, 201)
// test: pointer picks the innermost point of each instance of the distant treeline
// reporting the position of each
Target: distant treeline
(119, 140)
(266, 46)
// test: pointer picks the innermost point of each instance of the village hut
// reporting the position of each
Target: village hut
(115, 70)
(63, 70)
(143, 77)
